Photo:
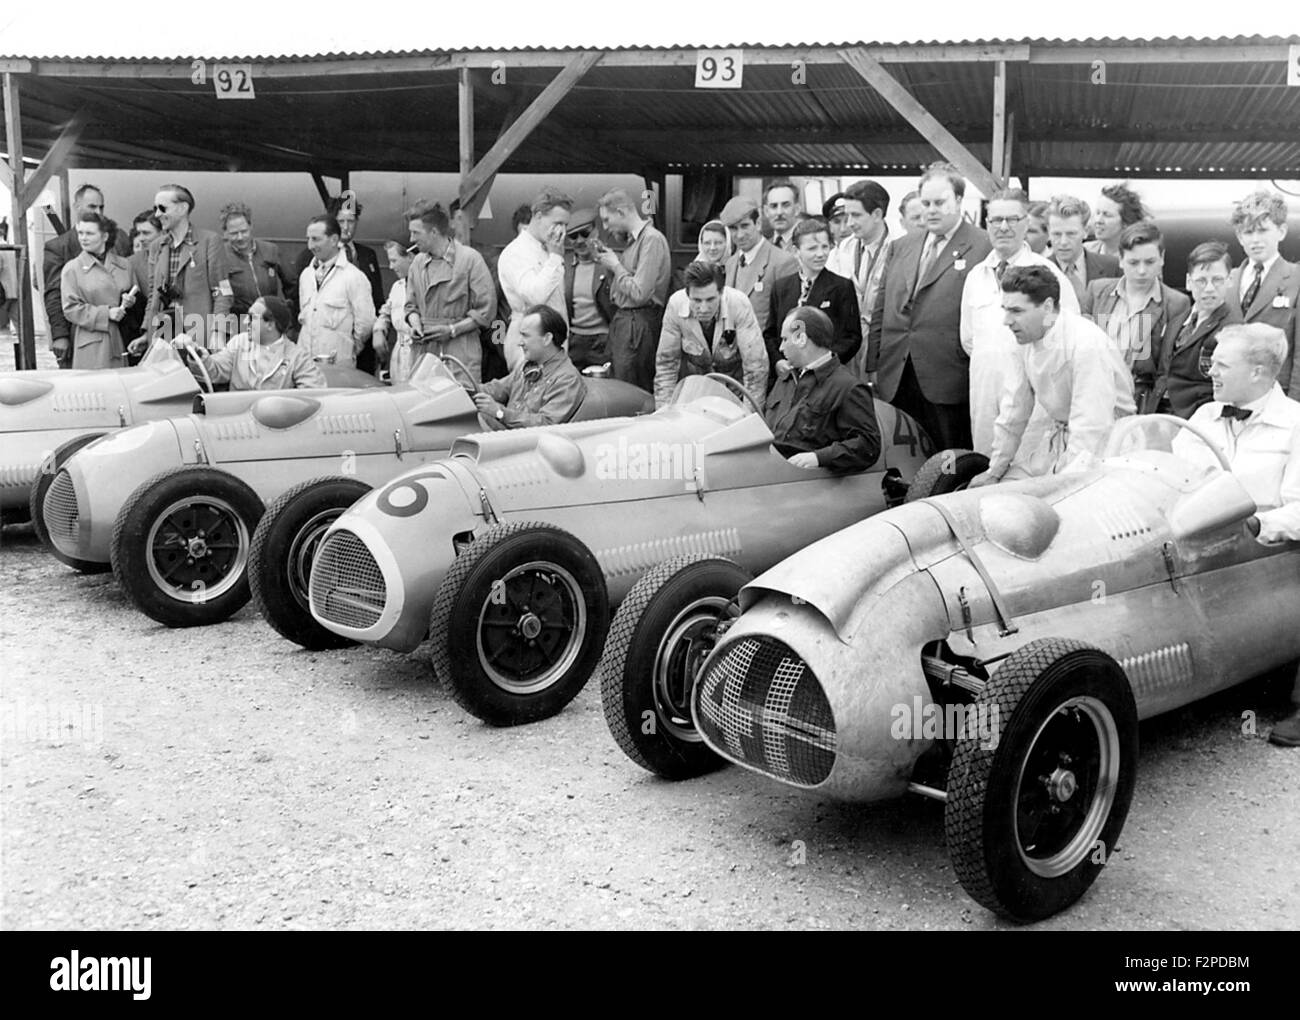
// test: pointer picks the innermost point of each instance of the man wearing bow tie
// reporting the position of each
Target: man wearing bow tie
(543, 388)
(1257, 428)
(1266, 287)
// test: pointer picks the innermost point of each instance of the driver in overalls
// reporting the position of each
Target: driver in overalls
(709, 327)
(1063, 363)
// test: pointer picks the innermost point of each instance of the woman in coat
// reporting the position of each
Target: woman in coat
(97, 289)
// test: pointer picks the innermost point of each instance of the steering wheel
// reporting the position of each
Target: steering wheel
(191, 358)
(454, 362)
(1120, 430)
(738, 389)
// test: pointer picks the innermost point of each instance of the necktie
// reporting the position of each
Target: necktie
(321, 272)
(1249, 298)
(1002, 268)
(778, 241)
(1239, 413)
(857, 258)
(805, 285)
(352, 252)
(927, 260)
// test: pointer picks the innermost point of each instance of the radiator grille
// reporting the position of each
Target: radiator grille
(61, 516)
(761, 705)
(347, 586)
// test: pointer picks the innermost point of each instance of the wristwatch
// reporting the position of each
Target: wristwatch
(501, 414)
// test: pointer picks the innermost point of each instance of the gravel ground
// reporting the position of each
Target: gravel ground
(225, 778)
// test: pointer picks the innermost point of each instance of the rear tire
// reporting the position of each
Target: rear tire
(946, 471)
(658, 641)
(181, 544)
(36, 504)
(284, 545)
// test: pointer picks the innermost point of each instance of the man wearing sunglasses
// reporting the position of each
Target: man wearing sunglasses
(189, 291)
(586, 293)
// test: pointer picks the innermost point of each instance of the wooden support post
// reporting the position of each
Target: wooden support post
(324, 192)
(18, 232)
(1010, 147)
(465, 107)
(998, 161)
(474, 182)
(920, 118)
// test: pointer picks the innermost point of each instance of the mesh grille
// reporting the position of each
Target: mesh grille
(60, 509)
(760, 704)
(347, 587)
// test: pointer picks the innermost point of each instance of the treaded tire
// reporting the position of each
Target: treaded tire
(131, 555)
(636, 670)
(995, 793)
(478, 587)
(946, 471)
(278, 556)
(36, 503)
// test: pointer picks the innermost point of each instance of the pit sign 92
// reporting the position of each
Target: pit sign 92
(233, 81)
(719, 69)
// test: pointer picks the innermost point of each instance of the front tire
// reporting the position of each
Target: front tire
(658, 641)
(181, 545)
(284, 546)
(36, 504)
(946, 471)
(1031, 820)
(519, 622)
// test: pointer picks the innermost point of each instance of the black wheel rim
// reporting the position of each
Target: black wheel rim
(686, 643)
(302, 553)
(531, 627)
(1066, 787)
(197, 549)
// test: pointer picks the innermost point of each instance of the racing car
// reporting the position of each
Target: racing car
(172, 505)
(510, 552)
(992, 648)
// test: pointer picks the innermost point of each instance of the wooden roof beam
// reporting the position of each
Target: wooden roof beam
(920, 118)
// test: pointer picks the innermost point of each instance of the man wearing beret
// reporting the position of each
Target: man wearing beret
(756, 265)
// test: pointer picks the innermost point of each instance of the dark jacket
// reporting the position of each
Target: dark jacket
(205, 291)
(1096, 266)
(829, 412)
(1186, 379)
(1159, 330)
(600, 281)
(923, 321)
(58, 253)
(1275, 305)
(831, 293)
(259, 274)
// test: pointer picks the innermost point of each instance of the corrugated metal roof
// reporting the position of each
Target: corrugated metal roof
(1238, 119)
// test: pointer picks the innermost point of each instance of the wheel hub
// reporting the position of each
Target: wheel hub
(530, 626)
(1061, 785)
(196, 547)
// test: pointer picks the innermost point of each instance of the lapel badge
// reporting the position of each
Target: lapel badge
(959, 264)
(1280, 301)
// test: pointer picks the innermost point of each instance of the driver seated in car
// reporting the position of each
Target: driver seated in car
(820, 413)
(544, 388)
(1064, 364)
(1257, 429)
(263, 358)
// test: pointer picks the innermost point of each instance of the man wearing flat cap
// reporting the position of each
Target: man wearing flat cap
(756, 265)
(586, 293)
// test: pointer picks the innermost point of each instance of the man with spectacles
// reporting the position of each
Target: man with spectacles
(984, 333)
(587, 295)
(1186, 383)
(189, 290)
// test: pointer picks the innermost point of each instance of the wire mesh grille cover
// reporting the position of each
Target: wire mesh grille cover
(347, 586)
(760, 704)
(60, 509)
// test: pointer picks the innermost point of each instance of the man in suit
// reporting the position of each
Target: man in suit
(756, 265)
(921, 367)
(1266, 287)
(1067, 228)
(781, 209)
(346, 211)
(58, 253)
(817, 287)
(189, 291)
(1139, 313)
(1185, 383)
(862, 254)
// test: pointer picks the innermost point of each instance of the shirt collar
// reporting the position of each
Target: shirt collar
(186, 238)
(746, 257)
(1248, 272)
(816, 366)
(318, 264)
(1155, 296)
(1272, 408)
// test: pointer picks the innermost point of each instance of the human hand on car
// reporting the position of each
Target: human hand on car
(986, 478)
(806, 460)
(486, 405)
